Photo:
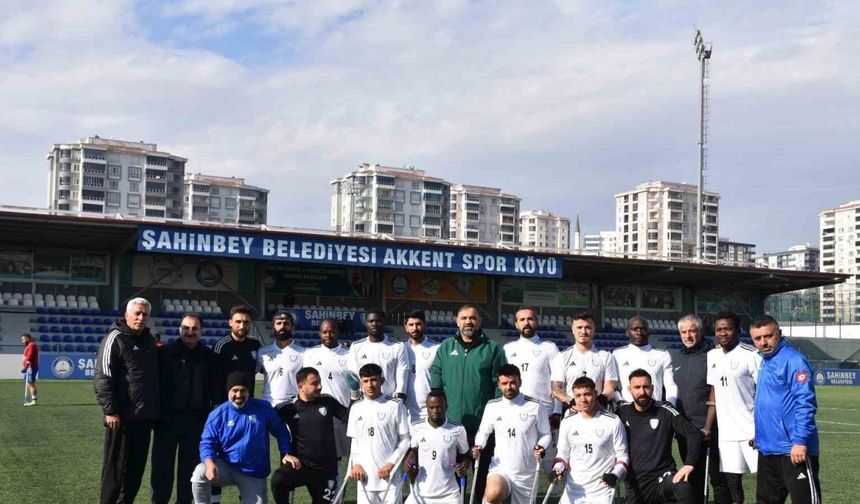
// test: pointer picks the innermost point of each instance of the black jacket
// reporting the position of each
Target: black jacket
(189, 380)
(126, 377)
(691, 375)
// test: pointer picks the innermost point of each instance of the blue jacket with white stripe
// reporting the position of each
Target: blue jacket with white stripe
(240, 436)
(785, 403)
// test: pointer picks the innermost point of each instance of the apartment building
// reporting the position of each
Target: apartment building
(603, 243)
(544, 231)
(840, 253)
(659, 219)
(384, 200)
(797, 258)
(484, 215)
(736, 253)
(105, 176)
(210, 198)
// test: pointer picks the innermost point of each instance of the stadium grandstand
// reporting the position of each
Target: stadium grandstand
(65, 278)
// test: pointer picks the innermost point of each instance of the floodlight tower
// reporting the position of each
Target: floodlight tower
(703, 53)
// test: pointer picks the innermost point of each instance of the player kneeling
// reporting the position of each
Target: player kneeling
(522, 433)
(592, 444)
(380, 438)
(436, 459)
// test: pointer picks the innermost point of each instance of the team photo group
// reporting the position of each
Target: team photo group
(464, 419)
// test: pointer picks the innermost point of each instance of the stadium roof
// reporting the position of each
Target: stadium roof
(32, 228)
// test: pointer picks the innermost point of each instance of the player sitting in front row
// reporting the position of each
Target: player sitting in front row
(436, 458)
(592, 444)
(522, 434)
(379, 430)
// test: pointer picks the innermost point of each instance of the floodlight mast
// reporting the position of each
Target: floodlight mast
(703, 53)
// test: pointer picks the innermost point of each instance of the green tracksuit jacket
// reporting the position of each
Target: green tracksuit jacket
(468, 375)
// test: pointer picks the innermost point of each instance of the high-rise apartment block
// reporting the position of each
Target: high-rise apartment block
(659, 219)
(797, 258)
(223, 199)
(484, 215)
(736, 253)
(102, 176)
(840, 253)
(599, 244)
(382, 200)
(544, 231)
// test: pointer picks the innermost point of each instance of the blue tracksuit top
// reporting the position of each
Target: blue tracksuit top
(241, 436)
(785, 403)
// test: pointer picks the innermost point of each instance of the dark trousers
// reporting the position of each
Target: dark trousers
(125, 452)
(721, 493)
(659, 490)
(484, 467)
(321, 485)
(178, 436)
(778, 478)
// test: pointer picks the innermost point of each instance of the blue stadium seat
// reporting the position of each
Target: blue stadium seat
(77, 329)
(41, 310)
(68, 339)
(88, 330)
(56, 338)
(44, 338)
(79, 339)
(52, 320)
(51, 311)
(80, 348)
(90, 339)
(92, 349)
(64, 320)
(99, 339)
(54, 329)
(42, 319)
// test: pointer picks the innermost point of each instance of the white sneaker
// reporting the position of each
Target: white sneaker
(30, 403)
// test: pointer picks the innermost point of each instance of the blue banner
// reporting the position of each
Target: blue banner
(322, 250)
(310, 319)
(66, 366)
(837, 377)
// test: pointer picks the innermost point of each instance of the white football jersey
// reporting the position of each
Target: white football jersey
(331, 363)
(387, 354)
(380, 434)
(437, 458)
(593, 363)
(533, 356)
(420, 358)
(656, 361)
(519, 424)
(733, 376)
(279, 367)
(591, 447)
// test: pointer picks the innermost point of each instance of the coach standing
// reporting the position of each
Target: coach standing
(127, 389)
(785, 433)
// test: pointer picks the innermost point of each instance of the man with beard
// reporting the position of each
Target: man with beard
(310, 416)
(641, 355)
(234, 448)
(420, 352)
(592, 445)
(280, 360)
(188, 394)
(238, 351)
(522, 434)
(650, 427)
(384, 351)
(583, 359)
(696, 402)
(732, 374)
(438, 453)
(127, 389)
(330, 359)
(466, 368)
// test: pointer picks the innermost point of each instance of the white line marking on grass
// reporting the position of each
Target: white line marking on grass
(839, 423)
(840, 409)
(837, 432)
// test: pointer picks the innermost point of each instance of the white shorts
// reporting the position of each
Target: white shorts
(737, 457)
(421, 499)
(375, 497)
(520, 488)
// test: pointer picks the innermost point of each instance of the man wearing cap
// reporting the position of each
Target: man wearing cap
(280, 360)
(234, 449)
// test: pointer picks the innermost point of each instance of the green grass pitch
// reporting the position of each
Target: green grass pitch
(51, 453)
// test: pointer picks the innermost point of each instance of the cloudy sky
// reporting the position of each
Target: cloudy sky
(563, 103)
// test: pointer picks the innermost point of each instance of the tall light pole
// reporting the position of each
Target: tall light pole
(703, 52)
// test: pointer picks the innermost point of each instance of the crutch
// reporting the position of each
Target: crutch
(339, 495)
(612, 494)
(548, 492)
(462, 488)
(391, 476)
(474, 480)
(533, 493)
(707, 463)
(26, 389)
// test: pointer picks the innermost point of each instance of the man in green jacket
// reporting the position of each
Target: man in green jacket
(466, 367)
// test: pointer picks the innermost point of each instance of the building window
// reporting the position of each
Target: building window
(134, 173)
(415, 197)
(215, 202)
(414, 221)
(134, 186)
(399, 196)
(113, 199)
(213, 190)
(133, 201)
(114, 171)
(230, 203)
(113, 185)
(416, 184)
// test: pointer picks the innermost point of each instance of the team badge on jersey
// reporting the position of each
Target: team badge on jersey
(652, 362)
(380, 415)
(426, 355)
(654, 423)
(524, 416)
(447, 438)
(594, 362)
(599, 432)
(735, 364)
(801, 376)
(342, 362)
(293, 358)
(323, 410)
(536, 352)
